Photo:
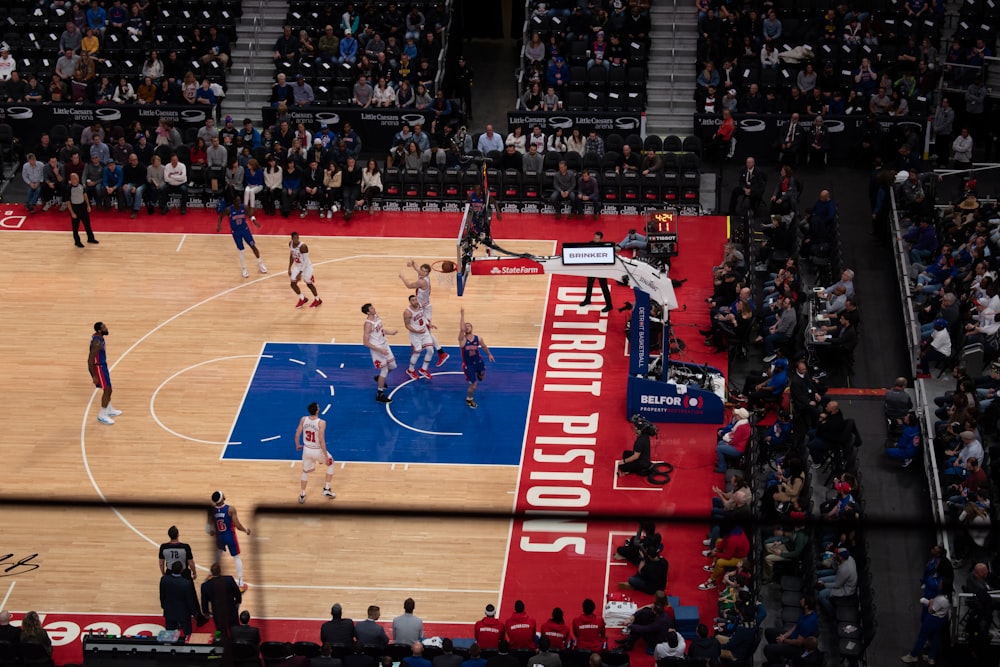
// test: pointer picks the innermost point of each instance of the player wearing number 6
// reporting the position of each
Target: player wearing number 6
(310, 439)
(472, 360)
(222, 520)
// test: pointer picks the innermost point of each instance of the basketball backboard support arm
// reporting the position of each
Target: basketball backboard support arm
(636, 274)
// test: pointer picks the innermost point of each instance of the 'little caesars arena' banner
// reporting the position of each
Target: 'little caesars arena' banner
(376, 127)
(760, 135)
(604, 123)
(30, 120)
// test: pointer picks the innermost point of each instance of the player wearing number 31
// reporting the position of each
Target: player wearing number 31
(310, 439)
(472, 360)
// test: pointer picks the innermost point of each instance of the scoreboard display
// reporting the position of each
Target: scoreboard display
(661, 233)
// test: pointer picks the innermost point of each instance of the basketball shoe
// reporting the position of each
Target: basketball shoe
(316, 303)
(413, 374)
(442, 357)
(425, 374)
(328, 493)
(471, 403)
(303, 301)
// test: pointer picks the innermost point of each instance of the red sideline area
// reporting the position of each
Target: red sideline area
(577, 431)
(577, 426)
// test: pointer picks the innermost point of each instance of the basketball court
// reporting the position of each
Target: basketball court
(213, 371)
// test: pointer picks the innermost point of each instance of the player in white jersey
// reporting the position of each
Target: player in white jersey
(422, 285)
(310, 437)
(374, 340)
(420, 338)
(300, 267)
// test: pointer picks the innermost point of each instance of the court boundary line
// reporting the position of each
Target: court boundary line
(260, 233)
(524, 440)
(243, 400)
(388, 463)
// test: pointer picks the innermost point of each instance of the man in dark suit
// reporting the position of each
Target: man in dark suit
(8, 632)
(791, 143)
(369, 632)
(221, 597)
(806, 398)
(244, 632)
(447, 657)
(178, 599)
(338, 631)
(598, 238)
(749, 186)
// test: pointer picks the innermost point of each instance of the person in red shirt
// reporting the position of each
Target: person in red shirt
(489, 631)
(521, 628)
(556, 630)
(730, 550)
(589, 628)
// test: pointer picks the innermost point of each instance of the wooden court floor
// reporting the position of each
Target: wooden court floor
(176, 307)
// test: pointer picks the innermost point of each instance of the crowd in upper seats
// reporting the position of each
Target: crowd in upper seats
(101, 59)
(846, 59)
(605, 29)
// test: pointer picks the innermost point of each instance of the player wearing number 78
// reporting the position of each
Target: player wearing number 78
(310, 439)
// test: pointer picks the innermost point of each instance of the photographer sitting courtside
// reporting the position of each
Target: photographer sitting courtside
(637, 460)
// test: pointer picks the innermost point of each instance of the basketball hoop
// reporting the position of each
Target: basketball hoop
(445, 279)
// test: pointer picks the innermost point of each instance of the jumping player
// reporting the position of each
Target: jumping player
(241, 232)
(222, 520)
(374, 340)
(301, 267)
(419, 326)
(472, 360)
(422, 285)
(312, 431)
(97, 363)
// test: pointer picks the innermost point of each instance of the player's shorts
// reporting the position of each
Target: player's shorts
(243, 235)
(312, 457)
(381, 360)
(474, 372)
(306, 274)
(428, 312)
(228, 542)
(421, 341)
(102, 378)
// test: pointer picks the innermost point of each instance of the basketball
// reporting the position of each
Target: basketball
(447, 266)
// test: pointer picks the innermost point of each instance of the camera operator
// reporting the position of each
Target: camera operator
(637, 460)
(646, 539)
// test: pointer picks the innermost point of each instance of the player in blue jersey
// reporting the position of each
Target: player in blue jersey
(97, 364)
(241, 231)
(223, 522)
(472, 360)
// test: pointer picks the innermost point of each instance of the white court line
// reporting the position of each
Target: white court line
(143, 614)
(326, 409)
(477, 466)
(152, 399)
(3, 605)
(524, 441)
(615, 486)
(273, 437)
(296, 361)
(181, 243)
(331, 387)
(374, 588)
(321, 373)
(407, 426)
